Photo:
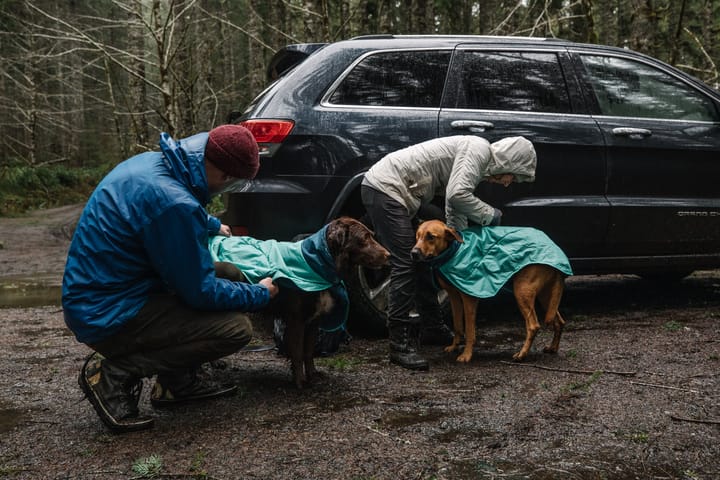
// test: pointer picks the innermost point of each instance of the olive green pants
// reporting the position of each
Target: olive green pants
(168, 336)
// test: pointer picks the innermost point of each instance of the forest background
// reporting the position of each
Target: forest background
(86, 84)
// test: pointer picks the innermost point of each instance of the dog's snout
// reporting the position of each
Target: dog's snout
(416, 254)
(384, 256)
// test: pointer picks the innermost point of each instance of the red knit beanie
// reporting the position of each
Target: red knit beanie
(233, 149)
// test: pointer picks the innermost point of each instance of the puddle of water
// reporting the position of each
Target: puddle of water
(49, 360)
(9, 417)
(45, 332)
(339, 404)
(463, 434)
(405, 419)
(16, 294)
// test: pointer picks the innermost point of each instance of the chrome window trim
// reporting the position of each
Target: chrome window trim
(516, 112)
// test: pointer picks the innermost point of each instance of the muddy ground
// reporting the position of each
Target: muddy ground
(633, 394)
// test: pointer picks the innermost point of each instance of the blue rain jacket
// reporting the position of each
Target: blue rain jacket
(490, 256)
(144, 230)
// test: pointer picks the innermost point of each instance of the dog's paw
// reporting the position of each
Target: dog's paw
(519, 356)
(550, 349)
(450, 348)
(464, 357)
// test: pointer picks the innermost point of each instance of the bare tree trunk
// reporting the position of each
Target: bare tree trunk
(256, 64)
(419, 16)
(137, 98)
(678, 34)
(162, 39)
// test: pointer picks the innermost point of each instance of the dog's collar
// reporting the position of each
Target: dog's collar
(443, 258)
(317, 255)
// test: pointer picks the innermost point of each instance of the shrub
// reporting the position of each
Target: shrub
(24, 187)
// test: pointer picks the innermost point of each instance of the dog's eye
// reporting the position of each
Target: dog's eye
(429, 236)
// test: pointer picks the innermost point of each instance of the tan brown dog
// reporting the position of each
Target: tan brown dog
(535, 281)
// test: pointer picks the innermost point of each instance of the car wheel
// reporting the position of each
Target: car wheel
(368, 292)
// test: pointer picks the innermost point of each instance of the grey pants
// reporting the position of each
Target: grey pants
(167, 336)
(410, 283)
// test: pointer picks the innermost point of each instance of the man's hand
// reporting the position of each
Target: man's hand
(268, 283)
(225, 230)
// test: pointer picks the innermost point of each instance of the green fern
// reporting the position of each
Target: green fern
(148, 467)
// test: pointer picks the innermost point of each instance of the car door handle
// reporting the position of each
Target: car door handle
(473, 126)
(633, 133)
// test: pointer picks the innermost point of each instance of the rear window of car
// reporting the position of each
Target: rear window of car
(627, 88)
(395, 79)
(512, 81)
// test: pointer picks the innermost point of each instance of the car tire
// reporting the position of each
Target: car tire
(368, 293)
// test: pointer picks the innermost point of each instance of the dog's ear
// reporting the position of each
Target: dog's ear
(451, 233)
(337, 237)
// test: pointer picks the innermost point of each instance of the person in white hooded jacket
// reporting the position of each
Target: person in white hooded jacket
(396, 187)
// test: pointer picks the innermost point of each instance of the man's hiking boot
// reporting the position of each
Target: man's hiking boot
(187, 386)
(404, 347)
(113, 394)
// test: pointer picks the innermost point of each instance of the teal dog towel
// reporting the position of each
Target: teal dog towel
(490, 256)
(305, 265)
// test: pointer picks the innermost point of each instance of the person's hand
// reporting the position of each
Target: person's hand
(268, 283)
(497, 217)
(225, 230)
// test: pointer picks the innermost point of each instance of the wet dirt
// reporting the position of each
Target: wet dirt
(632, 394)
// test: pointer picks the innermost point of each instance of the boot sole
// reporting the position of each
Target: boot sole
(166, 403)
(107, 419)
(419, 368)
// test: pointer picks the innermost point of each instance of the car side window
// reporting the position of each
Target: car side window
(395, 79)
(513, 81)
(627, 88)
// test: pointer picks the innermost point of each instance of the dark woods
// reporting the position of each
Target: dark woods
(88, 83)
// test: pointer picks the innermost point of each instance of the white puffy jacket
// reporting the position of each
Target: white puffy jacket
(453, 167)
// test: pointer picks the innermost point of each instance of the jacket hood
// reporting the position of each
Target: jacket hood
(186, 161)
(514, 155)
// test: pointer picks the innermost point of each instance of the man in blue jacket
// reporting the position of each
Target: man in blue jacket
(139, 286)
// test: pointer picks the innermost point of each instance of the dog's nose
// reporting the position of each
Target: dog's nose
(416, 255)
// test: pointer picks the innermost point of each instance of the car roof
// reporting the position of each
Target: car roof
(460, 38)
(293, 54)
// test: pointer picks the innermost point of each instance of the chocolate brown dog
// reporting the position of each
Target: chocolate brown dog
(349, 244)
(535, 281)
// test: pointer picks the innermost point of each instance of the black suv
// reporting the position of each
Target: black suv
(628, 175)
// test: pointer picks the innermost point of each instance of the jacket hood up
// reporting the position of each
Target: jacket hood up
(186, 161)
(514, 155)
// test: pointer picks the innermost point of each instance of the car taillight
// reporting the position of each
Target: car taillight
(269, 131)
(239, 231)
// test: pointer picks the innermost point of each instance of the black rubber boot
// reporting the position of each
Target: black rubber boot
(403, 346)
(114, 394)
